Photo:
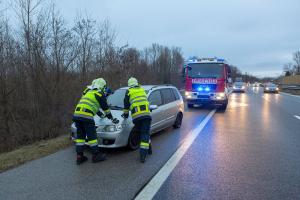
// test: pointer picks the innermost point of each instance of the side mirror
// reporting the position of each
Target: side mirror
(153, 107)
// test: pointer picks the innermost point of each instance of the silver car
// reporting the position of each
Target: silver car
(166, 105)
(239, 87)
(271, 87)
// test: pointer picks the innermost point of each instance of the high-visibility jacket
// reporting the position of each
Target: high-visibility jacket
(90, 104)
(138, 102)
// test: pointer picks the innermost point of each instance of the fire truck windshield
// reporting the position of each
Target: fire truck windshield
(205, 70)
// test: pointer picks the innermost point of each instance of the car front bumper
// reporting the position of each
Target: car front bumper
(207, 101)
(108, 139)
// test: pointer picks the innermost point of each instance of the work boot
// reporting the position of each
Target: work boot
(150, 150)
(142, 158)
(81, 159)
(98, 157)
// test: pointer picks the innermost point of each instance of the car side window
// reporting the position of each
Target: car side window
(155, 98)
(167, 95)
(176, 94)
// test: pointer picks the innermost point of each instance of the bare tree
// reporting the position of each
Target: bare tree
(296, 58)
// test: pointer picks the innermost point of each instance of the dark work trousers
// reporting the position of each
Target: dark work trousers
(143, 127)
(86, 129)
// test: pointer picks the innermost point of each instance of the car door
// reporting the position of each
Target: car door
(169, 106)
(155, 98)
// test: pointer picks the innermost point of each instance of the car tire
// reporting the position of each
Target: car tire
(189, 105)
(133, 140)
(223, 107)
(178, 120)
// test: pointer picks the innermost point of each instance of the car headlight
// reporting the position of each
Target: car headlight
(220, 95)
(234, 87)
(267, 88)
(277, 88)
(110, 128)
(188, 94)
(243, 87)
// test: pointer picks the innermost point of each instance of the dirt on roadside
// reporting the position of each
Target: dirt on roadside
(34, 151)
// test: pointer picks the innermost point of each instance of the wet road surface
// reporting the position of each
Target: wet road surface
(249, 152)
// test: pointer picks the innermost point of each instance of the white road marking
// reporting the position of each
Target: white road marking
(298, 117)
(156, 182)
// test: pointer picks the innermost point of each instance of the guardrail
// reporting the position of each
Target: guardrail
(290, 88)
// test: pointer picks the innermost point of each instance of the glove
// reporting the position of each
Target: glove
(125, 115)
(101, 115)
(115, 121)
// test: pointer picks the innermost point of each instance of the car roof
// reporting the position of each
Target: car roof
(150, 87)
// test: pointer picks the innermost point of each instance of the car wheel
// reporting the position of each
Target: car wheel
(133, 140)
(190, 105)
(178, 120)
(223, 107)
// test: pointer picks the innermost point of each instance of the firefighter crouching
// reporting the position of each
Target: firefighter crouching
(136, 101)
(91, 101)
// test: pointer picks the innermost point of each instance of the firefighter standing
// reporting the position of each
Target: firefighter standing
(93, 98)
(136, 101)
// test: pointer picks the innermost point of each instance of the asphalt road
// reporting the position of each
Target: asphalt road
(249, 152)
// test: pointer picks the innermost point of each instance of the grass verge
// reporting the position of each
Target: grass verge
(30, 152)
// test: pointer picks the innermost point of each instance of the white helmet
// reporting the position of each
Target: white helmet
(99, 84)
(132, 82)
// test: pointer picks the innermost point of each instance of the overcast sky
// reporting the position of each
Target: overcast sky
(258, 36)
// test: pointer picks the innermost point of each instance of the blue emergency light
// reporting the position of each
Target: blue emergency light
(206, 89)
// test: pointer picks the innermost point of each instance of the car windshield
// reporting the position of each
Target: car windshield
(205, 70)
(271, 85)
(239, 83)
(116, 100)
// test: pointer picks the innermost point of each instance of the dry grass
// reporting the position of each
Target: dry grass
(37, 150)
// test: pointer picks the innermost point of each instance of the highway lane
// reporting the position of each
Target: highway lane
(120, 177)
(249, 152)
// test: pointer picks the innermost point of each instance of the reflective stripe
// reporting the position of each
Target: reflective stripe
(87, 103)
(83, 116)
(93, 141)
(140, 115)
(80, 140)
(87, 99)
(98, 94)
(143, 147)
(125, 111)
(141, 100)
(143, 97)
(107, 111)
(144, 144)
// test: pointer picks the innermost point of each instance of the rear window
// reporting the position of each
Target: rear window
(168, 95)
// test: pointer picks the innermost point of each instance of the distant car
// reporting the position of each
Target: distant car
(256, 84)
(239, 87)
(166, 105)
(271, 88)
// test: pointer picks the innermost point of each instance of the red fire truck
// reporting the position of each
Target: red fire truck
(207, 82)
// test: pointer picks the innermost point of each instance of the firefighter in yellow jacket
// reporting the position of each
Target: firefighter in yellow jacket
(89, 105)
(136, 101)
